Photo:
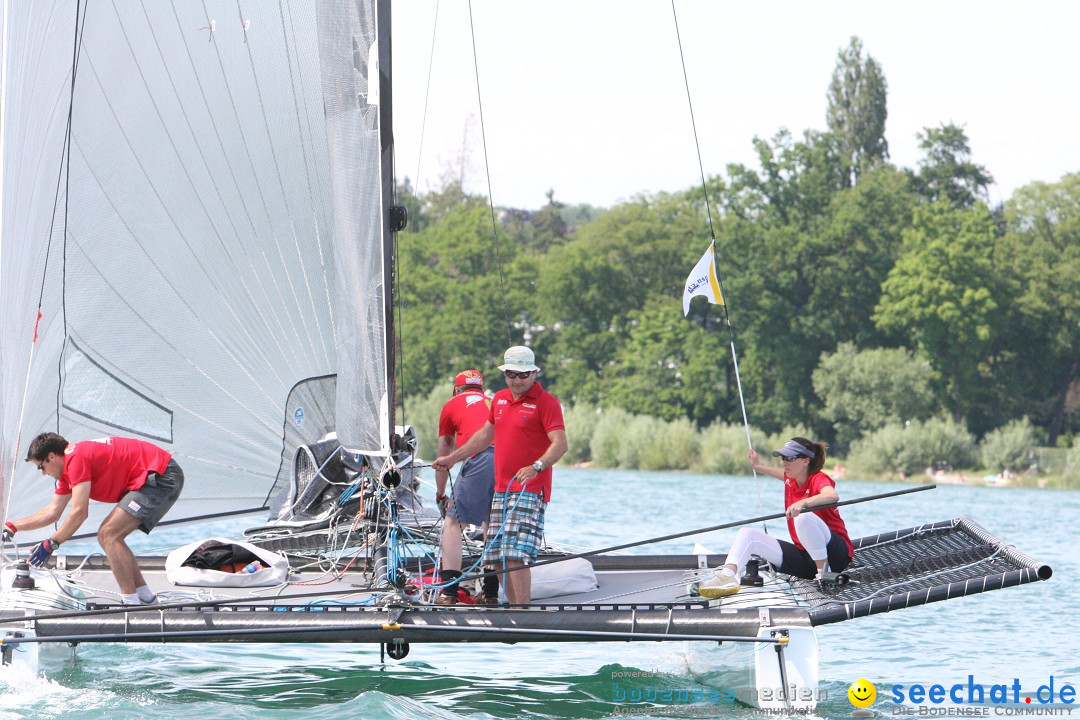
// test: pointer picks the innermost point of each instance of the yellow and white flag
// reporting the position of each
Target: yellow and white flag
(702, 281)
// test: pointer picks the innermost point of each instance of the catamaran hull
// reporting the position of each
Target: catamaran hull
(758, 645)
(19, 659)
(785, 655)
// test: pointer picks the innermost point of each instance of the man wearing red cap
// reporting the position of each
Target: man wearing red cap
(470, 503)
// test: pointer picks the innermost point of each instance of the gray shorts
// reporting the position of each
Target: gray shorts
(150, 502)
(470, 502)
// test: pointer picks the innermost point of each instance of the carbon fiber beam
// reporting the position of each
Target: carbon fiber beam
(350, 625)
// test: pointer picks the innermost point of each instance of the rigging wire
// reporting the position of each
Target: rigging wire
(63, 177)
(693, 123)
(427, 96)
(399, 335)
(76, 52)
(716, 267)
(487, 174)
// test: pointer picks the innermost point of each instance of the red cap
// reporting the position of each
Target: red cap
(472, 378)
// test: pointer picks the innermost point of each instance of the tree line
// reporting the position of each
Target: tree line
(861, 295)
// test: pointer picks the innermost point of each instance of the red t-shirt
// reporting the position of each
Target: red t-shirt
(112, 466)
(793, 493)
(521, 436)
(464, 414)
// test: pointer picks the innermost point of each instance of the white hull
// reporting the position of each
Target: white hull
(21, 660)
(763, 675)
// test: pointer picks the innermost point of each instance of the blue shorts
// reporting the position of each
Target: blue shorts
(470, 501)
(521, 536)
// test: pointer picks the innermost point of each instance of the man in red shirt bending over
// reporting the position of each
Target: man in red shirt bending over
(141, 478)
(526, 423)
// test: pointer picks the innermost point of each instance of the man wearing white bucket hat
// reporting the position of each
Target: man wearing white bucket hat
(526, 423)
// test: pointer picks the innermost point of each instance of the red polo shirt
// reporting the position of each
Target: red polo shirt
(112, 466)
(464, 414)
(521, 436)
(793, 493)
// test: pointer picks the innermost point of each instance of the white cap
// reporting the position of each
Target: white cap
(519, 358)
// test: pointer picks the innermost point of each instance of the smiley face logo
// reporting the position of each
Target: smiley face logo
(861, 693)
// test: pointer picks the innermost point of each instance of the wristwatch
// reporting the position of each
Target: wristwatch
(538, 466)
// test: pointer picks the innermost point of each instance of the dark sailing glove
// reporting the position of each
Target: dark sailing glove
(443, 502)
(9, 531)
(42, 552)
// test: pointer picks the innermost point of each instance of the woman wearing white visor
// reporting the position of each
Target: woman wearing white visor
(819, 537)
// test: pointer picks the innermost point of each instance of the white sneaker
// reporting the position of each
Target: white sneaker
(719, 586)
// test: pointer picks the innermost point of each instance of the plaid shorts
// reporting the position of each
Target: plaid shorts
(520, 537)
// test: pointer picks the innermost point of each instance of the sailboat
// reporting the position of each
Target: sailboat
(197, 249)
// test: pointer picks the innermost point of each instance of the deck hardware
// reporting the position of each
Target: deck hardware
(782, 638)
(752, 578)
(397, 648)
(6, 648)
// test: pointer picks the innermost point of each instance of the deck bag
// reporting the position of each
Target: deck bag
(218, 562)
(563, 578)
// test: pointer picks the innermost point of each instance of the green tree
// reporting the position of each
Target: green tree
(768, 249)
(861, 243)
(946, 171)
(540, 230)
(669, 368)
(422, 412)
(912, 447)
(1009, 447)
(796, 183)
(551, 227)
(866, 390)
(1041, 251)
(857, 110)
(456, 297)
(586, 289)
(804, 262)
(942, 293)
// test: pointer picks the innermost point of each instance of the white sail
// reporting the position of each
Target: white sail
(355, 65)
(181, 238)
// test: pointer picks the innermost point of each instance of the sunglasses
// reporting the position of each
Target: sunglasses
(791, 459)
(514, 374)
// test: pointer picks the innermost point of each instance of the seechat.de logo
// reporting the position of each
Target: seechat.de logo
(862, 695)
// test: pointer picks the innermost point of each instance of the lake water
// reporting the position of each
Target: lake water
(1019, 633)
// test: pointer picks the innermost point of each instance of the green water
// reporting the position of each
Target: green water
(1022, 633)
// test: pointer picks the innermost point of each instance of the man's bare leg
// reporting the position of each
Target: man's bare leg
(518, 584)
(451, 544)
(111, 535)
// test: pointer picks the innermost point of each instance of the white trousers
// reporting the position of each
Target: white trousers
(813, 533)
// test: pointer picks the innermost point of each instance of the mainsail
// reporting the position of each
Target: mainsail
(356, 96)
(181, 193)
